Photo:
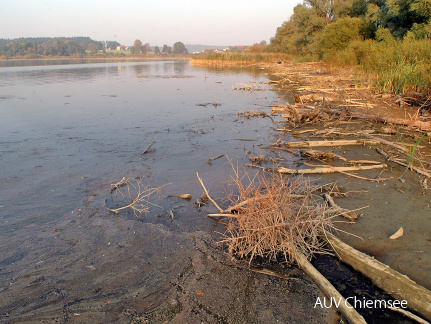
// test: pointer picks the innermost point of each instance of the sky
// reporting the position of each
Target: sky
(157, 22)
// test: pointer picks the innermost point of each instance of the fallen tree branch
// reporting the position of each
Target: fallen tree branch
(245, 202)
(349, 214)
(208, 195)
(426, 126)
(221, 215)
(383, 141)
(332, 143)
(331, 169)
(363, 178)
(398, 285)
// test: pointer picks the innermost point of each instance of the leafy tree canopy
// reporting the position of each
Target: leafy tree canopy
(324, 25)
(179, 48)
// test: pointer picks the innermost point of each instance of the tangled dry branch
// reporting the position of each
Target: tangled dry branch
(275, 217)
(134, 197)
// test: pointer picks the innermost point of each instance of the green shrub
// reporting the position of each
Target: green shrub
(338, 35)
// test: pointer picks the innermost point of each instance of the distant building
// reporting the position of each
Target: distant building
(123, 48)
(211, 50)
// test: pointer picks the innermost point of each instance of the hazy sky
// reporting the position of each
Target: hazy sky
(158, 22)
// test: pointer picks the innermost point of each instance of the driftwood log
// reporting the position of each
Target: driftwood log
(398, 285)
(329, 290)
(332, 143)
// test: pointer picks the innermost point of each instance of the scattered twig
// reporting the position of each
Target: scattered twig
(349, 214)
(152, 143)
(208, 195)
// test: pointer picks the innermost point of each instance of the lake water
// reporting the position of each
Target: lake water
(69, 129)
(66, 126)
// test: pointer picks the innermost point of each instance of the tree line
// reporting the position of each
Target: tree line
(388, 39)
(75, 46)
(178, 48)
(60, 46)
(321, 26)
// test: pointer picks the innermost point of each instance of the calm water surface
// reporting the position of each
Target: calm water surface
(64, 126)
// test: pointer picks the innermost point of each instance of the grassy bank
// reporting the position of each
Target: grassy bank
(396, 66)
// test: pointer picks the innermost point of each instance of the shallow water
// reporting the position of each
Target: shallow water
(65, 126)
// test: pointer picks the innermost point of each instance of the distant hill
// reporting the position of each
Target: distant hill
(198, 47)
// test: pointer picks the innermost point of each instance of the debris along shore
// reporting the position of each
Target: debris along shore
(333, 112)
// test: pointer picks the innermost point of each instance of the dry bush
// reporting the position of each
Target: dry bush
(282, 217)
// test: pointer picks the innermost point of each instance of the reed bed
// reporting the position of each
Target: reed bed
(277, 218)
(241, 58)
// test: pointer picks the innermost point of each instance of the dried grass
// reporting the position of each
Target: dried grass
(276, 218)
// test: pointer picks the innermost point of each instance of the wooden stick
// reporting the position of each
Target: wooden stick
(280, 149)
(383, 141)
(409, 315)
(331, 143)
(398, 285)
(389, 158)
(208, 195)
(245, 202)
(271, 273)
(418, 170)
(349, 214)
(364, 162)
(331, 169)
(152, 143)
(329, 290)
(363, 178)
(320, 155)
(222, 215)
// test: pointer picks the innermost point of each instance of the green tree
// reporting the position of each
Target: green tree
(137, 47)
(167, 49)
(179, 48)
(156, 50)
(338, 35)
(93, 48)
